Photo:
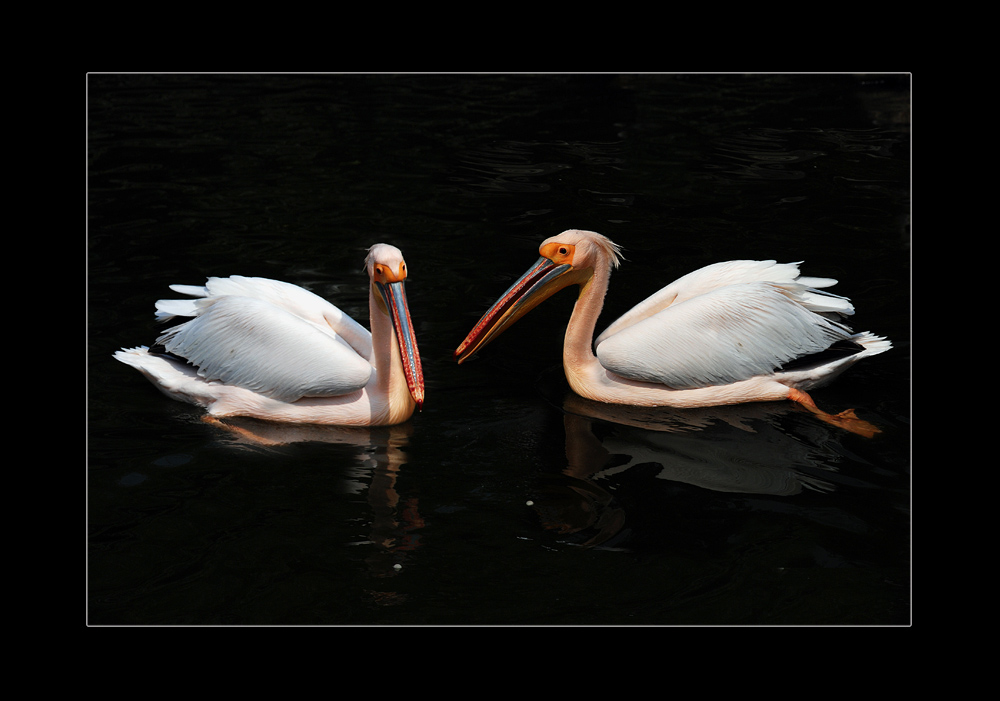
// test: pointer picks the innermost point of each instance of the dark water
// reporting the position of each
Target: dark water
(507, 500)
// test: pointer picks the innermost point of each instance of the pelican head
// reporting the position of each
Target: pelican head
(387, 271)
(571, 258)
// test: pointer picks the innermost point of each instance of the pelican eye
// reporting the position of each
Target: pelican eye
(559, 253)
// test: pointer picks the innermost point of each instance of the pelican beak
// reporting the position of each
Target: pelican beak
(542, 280)
(394, 296)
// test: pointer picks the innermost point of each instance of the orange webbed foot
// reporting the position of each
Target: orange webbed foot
(847, 419)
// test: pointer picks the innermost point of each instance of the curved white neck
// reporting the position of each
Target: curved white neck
(578, 345)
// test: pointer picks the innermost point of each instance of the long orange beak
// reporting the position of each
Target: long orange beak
(394, 296)
(542, 280)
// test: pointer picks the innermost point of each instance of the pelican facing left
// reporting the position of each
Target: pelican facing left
(733, 332)
(275, 351)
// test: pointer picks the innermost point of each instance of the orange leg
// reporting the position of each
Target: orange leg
(846, 419)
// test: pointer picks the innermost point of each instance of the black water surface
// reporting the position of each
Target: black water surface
(507, 500)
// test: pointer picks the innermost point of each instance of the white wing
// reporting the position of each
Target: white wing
(283, 295)
(262, 343)
(717, 275)
(723, 336)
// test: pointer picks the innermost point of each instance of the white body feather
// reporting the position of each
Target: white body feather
(262, 347)
(722, 324)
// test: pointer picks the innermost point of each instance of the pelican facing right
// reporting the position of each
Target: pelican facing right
(728, 333)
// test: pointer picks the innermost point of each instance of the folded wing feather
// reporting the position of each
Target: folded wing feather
(725, 335)
(252, 343)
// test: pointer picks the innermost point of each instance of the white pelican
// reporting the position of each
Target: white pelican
(272, 350)
(740, 331)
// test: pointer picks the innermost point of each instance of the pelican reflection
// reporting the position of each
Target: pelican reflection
(395, 520)
(740, 449)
